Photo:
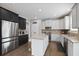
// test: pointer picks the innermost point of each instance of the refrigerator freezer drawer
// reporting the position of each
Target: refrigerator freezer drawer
(8, 46)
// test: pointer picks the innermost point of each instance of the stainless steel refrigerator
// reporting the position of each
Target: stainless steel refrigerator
(9, 36)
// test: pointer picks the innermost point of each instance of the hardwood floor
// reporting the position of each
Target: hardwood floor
(21, 51)
(52, 50)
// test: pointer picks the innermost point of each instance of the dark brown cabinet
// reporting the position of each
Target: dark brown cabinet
(4, 14)
(23, 39)
(22, 23)
(8, 15)
(13, 17)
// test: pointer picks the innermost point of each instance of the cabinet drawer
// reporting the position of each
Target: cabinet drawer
(8, 46)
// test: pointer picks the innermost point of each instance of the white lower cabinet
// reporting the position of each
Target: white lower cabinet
(70, 48)
(55, 37)
(73, 48)
(76, 49)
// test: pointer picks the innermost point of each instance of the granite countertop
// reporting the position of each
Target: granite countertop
(73, 39)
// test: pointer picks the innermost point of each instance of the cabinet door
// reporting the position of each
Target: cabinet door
(55, 37)
(74, 20)
(23, 39)
(22, 23)
(75, 49)
(8, 15)
(13, 17)
(70, 48)
(4, 14)
(78, 15)
(66, 22)
(61, 24)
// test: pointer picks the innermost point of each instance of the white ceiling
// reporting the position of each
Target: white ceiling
(39, 10)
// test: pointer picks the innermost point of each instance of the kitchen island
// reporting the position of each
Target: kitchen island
(39, 45)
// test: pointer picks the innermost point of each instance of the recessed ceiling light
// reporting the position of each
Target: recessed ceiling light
(40, 10)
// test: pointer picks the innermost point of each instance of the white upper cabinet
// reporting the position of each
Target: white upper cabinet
(48, 23)
(66, 22)
(74, 17)
(54, 24)
(61, 24)
(77, 15)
